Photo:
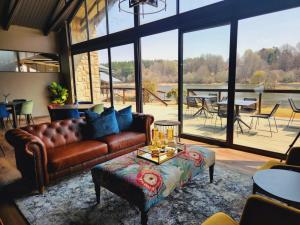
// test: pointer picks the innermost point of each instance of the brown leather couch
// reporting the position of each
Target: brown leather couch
(49, 151)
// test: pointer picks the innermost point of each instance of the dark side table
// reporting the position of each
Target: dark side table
(282, 185)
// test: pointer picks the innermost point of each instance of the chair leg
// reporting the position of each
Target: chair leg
(276, 125)
(31, 118)
(290, 120)
(270, 127)
(256, 123)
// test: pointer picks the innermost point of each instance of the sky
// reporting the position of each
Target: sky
(266, 31)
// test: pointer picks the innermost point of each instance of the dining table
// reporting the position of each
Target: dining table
(238, 104)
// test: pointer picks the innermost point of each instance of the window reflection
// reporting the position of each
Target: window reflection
(8, 61)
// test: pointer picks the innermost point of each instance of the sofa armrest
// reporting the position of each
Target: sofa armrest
(142, 123)
(31, 156)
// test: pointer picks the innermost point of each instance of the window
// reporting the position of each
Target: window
(100, 75)
(8, 61)
(160, 75)
(268, 63)
(96, 18)
(205, 70)
(119, 20)
(169, 11)
(78, 26)
(123, 75)
(82, 78)
(186, 5)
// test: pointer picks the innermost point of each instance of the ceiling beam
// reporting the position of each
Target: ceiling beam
(77, 7)
(11, 14)
(61, 16)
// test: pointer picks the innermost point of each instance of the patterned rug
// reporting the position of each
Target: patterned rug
(72, 202)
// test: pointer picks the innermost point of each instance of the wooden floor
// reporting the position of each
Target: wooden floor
(9, 213)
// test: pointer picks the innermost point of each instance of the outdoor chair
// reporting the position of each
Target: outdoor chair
(192, 104)
(213, 100)
(267, 116)
(4, 115)
(295, 110)
(26, 111)
(259, 211)
(249, 109)
(222, 114)
(224, 98)
(18, 106)
(211, 109)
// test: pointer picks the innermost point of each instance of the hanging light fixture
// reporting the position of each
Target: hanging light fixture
(157, 6)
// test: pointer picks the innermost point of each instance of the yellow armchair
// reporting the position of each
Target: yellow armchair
(292, 162)
(260, 211)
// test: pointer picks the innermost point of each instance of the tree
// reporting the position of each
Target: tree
(258, 77)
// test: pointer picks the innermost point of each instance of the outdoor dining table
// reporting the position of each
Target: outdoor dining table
(203, 107)
(238, 104)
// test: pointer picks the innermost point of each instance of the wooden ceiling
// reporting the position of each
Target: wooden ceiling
(45, 15)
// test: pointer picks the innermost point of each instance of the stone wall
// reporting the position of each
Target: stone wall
(82, 77)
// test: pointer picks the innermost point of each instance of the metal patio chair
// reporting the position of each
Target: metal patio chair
(267, 116)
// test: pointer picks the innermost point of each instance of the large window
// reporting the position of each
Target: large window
(78, 26)
(119, 20)
(268, 63)
(123, 75)
(170, 10)
(267, 66)
(160, 75)
(96, 18)
(186, 5)
(101, 78)
(205, 70)
(82, 78)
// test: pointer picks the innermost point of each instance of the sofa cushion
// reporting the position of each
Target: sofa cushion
(124, 118)
(99, 125)
(75, 153)
(123, 140)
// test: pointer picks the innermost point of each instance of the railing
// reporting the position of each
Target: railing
(106, 90)
(260, 93)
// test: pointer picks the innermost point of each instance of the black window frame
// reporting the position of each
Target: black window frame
(220, 13)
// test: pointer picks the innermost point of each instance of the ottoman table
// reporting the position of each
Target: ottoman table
(143, 183)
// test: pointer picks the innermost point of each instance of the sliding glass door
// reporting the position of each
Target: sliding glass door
(205, 82)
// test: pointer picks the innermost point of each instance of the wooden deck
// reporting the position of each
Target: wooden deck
(257, 138)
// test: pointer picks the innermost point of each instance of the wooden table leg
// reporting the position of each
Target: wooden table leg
(14, 116)
(144, 218)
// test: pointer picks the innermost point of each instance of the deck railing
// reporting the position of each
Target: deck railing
(260, 93)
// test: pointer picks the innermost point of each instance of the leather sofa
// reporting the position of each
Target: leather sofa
(49, 151)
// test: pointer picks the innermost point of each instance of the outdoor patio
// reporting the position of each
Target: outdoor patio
(257, 138)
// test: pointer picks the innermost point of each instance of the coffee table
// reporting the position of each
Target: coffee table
(282, 185)
(143, 183)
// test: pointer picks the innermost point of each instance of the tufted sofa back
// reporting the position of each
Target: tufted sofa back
(58, 133)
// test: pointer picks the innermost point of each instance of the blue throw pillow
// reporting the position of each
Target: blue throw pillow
(124, 118)
(100, 125)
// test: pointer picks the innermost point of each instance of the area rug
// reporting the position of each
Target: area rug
(72, 202)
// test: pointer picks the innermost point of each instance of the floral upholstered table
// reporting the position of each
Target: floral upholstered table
(144, 183)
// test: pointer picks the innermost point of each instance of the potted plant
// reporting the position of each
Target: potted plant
(58, 94)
